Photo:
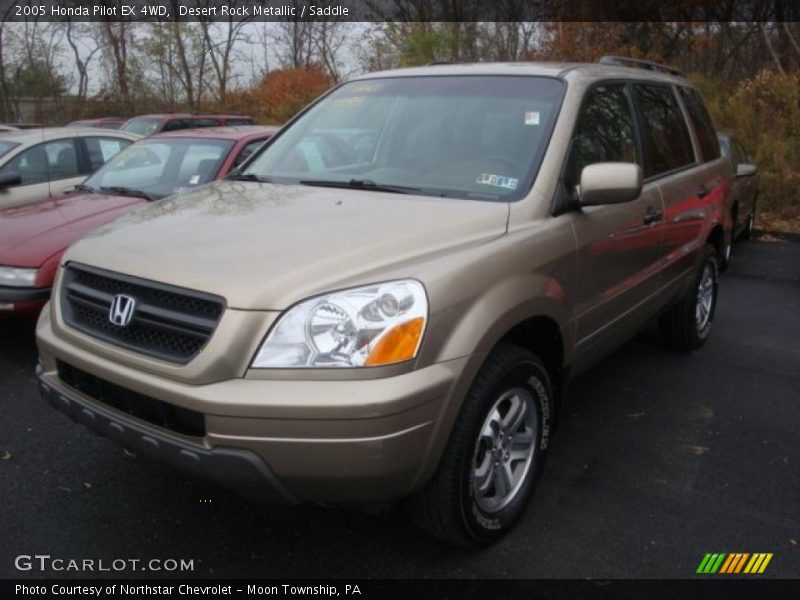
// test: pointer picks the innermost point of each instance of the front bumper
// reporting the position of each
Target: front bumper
(231, 467)
(15, 300)
(342, 441)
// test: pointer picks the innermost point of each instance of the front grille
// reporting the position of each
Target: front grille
(169, 323)
(168, 416)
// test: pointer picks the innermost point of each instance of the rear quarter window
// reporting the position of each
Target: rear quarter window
(701, 121)
(665, 137)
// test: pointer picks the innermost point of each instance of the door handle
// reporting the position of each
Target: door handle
(703, 191)
(652, 215)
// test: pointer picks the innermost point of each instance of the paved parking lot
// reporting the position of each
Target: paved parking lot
(660, 458)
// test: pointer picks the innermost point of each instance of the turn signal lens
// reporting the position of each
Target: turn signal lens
(398, 344)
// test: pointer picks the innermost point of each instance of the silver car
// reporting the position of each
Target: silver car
(46, 163)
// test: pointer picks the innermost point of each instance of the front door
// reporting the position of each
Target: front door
(619, 245)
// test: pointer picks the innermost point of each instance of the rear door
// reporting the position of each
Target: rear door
(619, 245)
(692, 185)
(46, 169)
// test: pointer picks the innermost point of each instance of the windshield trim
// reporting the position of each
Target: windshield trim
(522, 192)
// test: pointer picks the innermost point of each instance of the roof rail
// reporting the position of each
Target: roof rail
(624, 61)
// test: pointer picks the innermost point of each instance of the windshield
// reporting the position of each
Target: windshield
(143, 125)
(6, 146)
(161, 167)
(467, 137)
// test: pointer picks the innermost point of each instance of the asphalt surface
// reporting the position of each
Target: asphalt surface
(660, 458)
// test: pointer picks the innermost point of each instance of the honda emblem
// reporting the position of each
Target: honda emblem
(121, 311)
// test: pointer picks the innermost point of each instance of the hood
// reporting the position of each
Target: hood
(31, 233)
(266, 246)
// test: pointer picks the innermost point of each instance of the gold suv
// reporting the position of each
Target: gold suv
(387, 300)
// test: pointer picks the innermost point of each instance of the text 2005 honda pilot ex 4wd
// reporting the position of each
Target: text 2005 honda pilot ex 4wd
(388, 299)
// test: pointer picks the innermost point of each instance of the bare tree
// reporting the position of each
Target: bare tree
(301, 43)
(5, 107)
(118, 38)
(84, 47)
(220, 40)
(771, 48)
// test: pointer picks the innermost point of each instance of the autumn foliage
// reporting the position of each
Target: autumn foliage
(281, 94)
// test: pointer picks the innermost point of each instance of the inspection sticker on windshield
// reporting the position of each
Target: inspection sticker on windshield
(531, 117)
(509, 183)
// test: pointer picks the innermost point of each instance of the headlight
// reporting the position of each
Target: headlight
(17, 277)
(364, 327)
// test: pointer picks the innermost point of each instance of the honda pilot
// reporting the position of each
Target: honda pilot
(388, 299)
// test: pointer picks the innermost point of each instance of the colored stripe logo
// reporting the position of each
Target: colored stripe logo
(734, 563)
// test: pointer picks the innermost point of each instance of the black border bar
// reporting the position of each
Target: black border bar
(730, 588)
(398, 10)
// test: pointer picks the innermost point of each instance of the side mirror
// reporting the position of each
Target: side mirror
(9, 179)
(746, 170)
(610, 183)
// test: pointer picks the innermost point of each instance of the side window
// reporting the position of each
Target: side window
(239, 121)
(176, 124)
(701, 121)
(203, 122)
(101, 149)
(49, 161)
(247, 151)
(604, 132)
(665, 139)
(200, 163)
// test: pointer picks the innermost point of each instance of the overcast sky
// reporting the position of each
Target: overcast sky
(251, 58)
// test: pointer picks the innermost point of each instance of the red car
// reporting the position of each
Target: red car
(152, 124)
(102, 123)
(34, 236)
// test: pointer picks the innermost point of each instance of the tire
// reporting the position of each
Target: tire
(687, 325)
(464, 504)
(730, 240)
(727, 253)
(747, 234)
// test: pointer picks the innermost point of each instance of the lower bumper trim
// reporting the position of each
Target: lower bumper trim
(9, 295)
(235, 468)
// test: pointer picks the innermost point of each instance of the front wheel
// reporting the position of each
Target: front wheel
(495, 453)
(687, 325)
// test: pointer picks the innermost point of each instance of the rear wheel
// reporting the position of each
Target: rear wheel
(687, 325)
(730, 240)
(750, 227)
(495, 453)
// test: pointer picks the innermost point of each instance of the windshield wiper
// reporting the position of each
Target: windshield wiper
(126, 191)
(249, 177)
(81, 187)
(362, 184)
